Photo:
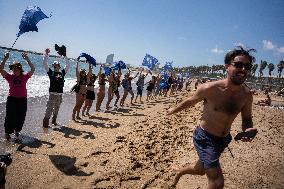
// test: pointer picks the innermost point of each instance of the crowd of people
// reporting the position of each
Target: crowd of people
(223, 101)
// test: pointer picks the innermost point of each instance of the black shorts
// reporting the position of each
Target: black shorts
(139, 91)
(150, 89)
(90, 95)
(209, 147)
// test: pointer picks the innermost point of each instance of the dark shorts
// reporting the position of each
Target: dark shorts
(90, 95)
(139, 91)
(209, 147)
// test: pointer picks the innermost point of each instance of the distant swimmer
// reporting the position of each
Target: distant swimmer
(223, 101)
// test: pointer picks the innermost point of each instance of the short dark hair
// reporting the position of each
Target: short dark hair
(239, 50)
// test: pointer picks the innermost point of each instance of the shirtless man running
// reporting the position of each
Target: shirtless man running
(223, 101)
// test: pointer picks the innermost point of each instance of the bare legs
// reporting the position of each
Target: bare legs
(110, 96)
(101, 96)
(123, 98)
(117, 98)
(88, 105)
(214, 175)
(80, 98)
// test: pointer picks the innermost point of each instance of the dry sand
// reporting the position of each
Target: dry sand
(136, 147)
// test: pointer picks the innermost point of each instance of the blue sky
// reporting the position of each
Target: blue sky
(186, 32)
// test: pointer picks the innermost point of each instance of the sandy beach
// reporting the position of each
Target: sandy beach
(137, 147)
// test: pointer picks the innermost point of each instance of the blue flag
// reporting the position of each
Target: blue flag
(30, 18)
(168, 66)
(187, 75)
(89, 59)
(107, 70)
(164, 74)
(150, 61)
(118, 65)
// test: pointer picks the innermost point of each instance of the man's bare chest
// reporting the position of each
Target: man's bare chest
(230, 105)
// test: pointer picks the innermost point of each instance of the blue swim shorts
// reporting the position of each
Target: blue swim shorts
(209, 147)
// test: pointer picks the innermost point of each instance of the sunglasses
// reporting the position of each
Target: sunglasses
(241, 65)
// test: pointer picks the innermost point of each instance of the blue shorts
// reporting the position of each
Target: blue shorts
(209, 147)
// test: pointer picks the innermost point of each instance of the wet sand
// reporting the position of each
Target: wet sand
(137, 146)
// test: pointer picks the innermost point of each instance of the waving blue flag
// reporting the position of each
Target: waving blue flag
(150, 61)
(89, 58)
(118, 65)
(107, 70)
(30, 18)
(168, 66)
(164, 74)
(122, 65)
(187, 75)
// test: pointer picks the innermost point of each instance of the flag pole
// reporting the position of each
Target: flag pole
(14, 42)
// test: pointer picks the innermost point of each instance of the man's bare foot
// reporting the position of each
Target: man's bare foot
(176, 171)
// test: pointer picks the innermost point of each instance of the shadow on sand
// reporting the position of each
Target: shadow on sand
(100, 125)
(66, 165)
(31, 142)
(73, 133)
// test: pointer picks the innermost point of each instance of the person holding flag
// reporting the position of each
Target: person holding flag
(56, 80)
(16, 106)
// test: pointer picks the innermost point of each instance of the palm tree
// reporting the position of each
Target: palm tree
(280, 67)
(262, 66)
(253, 69)
(270, 68)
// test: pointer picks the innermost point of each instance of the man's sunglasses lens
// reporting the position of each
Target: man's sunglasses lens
(240, 65)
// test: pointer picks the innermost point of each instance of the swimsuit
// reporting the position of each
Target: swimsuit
(209, 147)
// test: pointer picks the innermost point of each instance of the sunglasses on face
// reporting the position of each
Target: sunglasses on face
(241, 65)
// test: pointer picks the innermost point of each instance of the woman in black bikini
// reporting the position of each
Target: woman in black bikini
(90, 95)
(82, 80)
(101, 89)
(116, 91)
(112, 87)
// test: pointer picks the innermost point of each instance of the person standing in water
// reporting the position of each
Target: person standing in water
(81, 90)
(16, 105)
(90, 95)
(223, 101)
(101, 90)
(126, 83)
(56, 80)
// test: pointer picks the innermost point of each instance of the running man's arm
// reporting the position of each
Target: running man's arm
(246, 113)
(198, 96)
(2, 71)
(25, 56)
(45, 60)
